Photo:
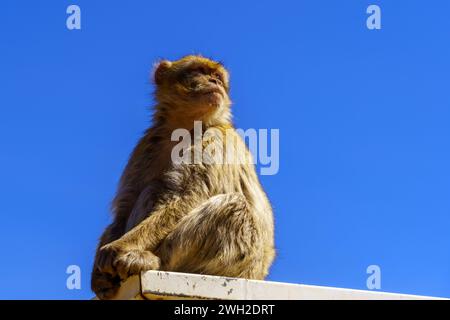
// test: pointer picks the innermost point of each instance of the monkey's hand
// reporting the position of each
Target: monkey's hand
(119, 259)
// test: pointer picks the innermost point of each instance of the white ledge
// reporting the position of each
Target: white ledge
(161, 285)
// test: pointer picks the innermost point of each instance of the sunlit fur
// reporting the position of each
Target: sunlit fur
(199, 218)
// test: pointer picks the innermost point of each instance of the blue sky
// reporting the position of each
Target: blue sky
(363, 116)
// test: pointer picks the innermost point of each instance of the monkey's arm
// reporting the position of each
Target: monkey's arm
(104, 282)
(122, 206)
(152, 230)
(134, 250)
(126, 196)
(132, 253)
(113, 232)
(187, 190)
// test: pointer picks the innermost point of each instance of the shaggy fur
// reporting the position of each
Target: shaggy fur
(198, 218)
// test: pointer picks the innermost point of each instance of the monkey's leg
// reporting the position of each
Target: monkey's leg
(220, 237)
(105, 285)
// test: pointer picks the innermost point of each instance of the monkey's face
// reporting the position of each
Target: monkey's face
(195, 84)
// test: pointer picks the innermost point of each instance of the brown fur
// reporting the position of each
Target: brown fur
(198, 218)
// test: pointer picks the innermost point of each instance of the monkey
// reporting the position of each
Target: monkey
(204, 218)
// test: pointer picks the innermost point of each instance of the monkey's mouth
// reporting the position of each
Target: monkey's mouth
(209, 90)
(210, 96)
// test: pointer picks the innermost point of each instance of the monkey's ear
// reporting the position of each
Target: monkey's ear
(160, 71)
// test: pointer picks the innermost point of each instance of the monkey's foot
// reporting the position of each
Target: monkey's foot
(118, 260)
(134, 262)
(104, 285)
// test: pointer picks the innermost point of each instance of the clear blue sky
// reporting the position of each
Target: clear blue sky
(363, 116)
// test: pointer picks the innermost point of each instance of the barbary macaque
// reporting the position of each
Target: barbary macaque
(204, 218)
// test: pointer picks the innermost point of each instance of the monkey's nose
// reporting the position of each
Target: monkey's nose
(214, 80)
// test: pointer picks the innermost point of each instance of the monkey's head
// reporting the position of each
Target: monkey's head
(193, 87)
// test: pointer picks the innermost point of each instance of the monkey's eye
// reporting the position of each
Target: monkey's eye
(218, 76)
(198, 70)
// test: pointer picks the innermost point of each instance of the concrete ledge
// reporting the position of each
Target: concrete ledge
(161, 285)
